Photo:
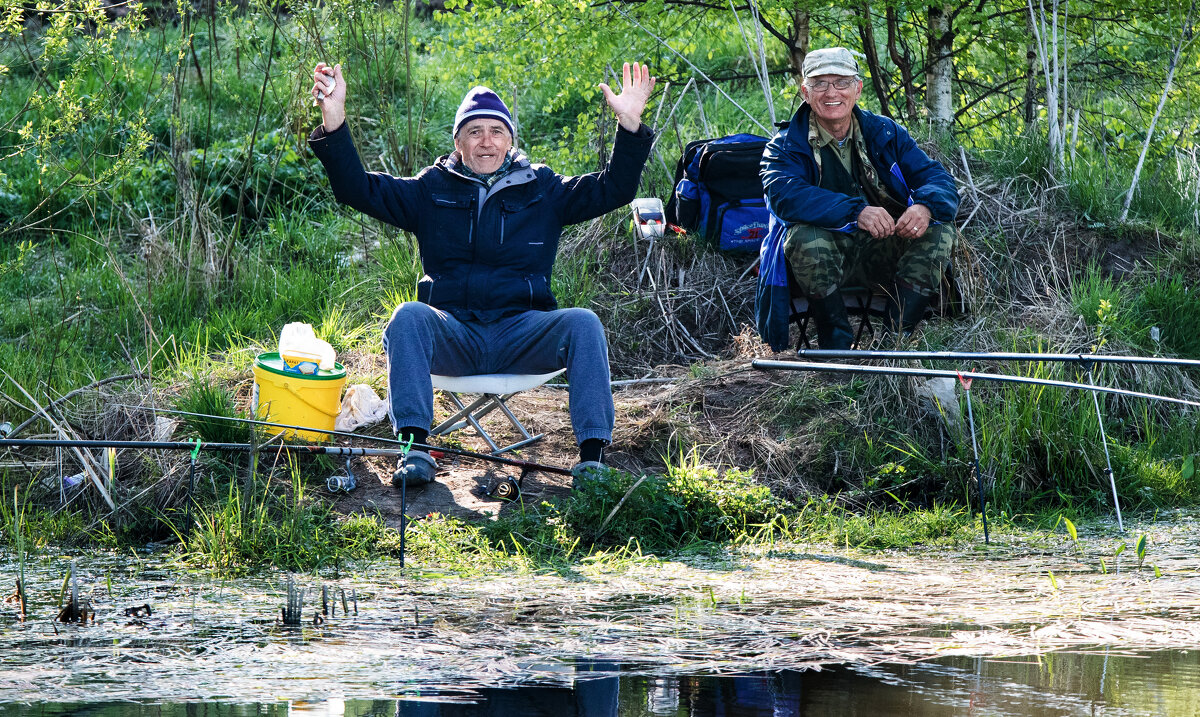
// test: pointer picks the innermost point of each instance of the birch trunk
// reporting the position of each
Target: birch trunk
(1047, 55)
(1185, 37)
(939, 98)
(798, 46)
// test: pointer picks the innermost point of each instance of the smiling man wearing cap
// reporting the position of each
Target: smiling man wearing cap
(487, 224)
(861, 204)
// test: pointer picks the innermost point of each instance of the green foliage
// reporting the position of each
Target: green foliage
(822, 518)
(212, 399)
(693, 504)
(27, 529)
(278, 526)
(1172, 306)
(274, 176)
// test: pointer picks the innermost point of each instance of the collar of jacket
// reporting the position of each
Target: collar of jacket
(452, 163)
(870, 124)
(521, 172)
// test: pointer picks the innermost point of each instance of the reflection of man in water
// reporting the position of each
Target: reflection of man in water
(591, 696)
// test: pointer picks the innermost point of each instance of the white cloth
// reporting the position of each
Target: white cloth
(360, 406)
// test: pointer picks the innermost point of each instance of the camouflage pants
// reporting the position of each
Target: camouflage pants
(822, 260)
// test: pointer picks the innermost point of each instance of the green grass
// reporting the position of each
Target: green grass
(267, 523)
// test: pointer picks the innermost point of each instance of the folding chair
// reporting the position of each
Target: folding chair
(494, 390)
(871, 301)
(861, 301)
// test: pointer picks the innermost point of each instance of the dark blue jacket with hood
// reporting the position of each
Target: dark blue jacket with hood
(791, 184)
(486, 252)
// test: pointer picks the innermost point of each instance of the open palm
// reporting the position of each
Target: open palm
(636, 86)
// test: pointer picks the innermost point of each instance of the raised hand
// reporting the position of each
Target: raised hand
(332, 101)
(636, 86)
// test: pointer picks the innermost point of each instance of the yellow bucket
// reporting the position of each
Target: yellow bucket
(282, 395)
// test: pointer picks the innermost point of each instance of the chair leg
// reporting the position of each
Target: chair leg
(479, 429)
(513, 419)
(471, 414)
(458, 420)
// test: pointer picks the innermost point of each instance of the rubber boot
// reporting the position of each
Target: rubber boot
(905, 309)
(833, 323)
(417, 468)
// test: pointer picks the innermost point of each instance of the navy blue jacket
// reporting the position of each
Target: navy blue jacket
(790, 179)
(791, 185)
(486, 252)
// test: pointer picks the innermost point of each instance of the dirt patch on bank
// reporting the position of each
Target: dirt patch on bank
(716, 409)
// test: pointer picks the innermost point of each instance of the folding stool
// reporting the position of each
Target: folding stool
(494, 390)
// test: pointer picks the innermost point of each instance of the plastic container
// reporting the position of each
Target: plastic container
(284, 396)
(302, 351)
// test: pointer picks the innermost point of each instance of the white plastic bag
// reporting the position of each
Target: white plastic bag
(302, 351)
(360, 406)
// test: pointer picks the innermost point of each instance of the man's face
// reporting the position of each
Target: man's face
(483, 144)
(831, 105)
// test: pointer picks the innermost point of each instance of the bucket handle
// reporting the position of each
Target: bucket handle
(308, 403)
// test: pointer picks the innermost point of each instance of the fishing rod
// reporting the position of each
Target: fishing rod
(202, 446)
(767, 364)
(966, 376)
(514, 462)
(966, 384)
(1085, 359)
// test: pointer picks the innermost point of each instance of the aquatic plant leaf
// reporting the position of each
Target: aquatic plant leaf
(1071, 531)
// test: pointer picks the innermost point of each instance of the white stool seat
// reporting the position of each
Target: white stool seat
(492, 382)
(494, 390)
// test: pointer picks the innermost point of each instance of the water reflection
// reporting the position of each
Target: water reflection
(1103, 683)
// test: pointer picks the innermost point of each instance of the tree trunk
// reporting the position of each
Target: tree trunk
(867, 33)
(903, 59)
(798, 45)
(1031, 68)
(1185, 37)
(1046, 42)
(939, 69)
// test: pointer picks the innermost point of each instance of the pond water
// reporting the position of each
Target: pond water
(1104, 683)
(784, 632)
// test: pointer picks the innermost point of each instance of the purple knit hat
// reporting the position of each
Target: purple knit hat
(482, 102)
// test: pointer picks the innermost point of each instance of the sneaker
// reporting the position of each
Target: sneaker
(415, 469)
(586, 470)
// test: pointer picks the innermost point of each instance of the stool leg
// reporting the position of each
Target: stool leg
(513, 419)
(489, 398)
(457, 421)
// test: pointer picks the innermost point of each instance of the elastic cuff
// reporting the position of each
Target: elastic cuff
(606, 436)
(319, 132)
(410, 421)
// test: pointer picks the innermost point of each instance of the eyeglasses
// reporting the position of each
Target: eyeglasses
(821, 85)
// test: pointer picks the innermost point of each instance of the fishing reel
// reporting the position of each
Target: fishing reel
(342, 482)
(506, 488)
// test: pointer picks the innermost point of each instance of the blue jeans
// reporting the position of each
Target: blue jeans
(421, 340)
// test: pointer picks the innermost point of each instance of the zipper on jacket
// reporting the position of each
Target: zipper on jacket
(529, 283)
(502, 215)
(471, 222)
